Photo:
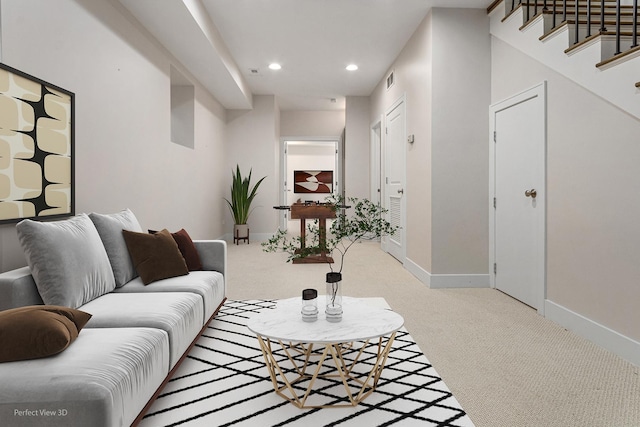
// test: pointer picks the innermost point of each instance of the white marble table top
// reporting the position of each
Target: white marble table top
(360, 321)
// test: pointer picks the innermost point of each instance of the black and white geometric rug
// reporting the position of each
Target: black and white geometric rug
(224, 382)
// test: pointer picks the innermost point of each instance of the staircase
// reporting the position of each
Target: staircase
(593, 42)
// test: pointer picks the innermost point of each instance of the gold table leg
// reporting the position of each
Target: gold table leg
(284, 387)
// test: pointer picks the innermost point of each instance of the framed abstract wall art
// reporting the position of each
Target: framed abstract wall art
(36, 148)
(312, 181)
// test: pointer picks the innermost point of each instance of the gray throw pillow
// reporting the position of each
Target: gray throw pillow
(67, 259)
(110, 228)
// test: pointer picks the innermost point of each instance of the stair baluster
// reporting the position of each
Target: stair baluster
(588, 18)
(618, 28)
(576, 29)
(634, 32)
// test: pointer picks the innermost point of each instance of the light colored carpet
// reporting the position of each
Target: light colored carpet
(506, 365)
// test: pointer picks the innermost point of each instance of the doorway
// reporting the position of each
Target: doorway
(518, 192)
(307, 155)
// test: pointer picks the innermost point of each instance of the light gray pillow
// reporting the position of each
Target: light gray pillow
(67, 259)
(110, 228)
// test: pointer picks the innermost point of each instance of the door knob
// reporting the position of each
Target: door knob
(531, 193)
(401, 191)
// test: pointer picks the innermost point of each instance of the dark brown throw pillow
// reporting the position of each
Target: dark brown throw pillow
(187, 249)
(37, 331)
(155, 256)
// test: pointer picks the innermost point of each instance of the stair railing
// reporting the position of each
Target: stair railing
(543, 5)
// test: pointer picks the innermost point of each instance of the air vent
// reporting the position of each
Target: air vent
(390, 80)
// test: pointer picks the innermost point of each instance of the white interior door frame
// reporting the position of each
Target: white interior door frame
(394, 187)
(285, 185)
(540, 92)
(283, 215)
(376, 159)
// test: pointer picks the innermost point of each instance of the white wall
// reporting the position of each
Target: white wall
(592, 194)
(357, 147)
(311, 124)
(461, 72)
(123, 154)
(252, 142)
(412, 76)
(444, 72)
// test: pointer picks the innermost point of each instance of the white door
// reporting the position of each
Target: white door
(518, 190)
(394, 181)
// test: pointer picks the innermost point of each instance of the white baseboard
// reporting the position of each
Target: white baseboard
(421, 274)
(611, 340)
(441, 281)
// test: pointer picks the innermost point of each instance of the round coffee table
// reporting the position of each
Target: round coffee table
(284, 336)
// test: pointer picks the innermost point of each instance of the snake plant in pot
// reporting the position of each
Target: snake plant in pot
(366, 221)
(242, 195)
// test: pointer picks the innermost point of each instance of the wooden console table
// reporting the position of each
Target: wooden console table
(321, 212)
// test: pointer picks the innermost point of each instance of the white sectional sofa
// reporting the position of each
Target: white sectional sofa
(140, 326)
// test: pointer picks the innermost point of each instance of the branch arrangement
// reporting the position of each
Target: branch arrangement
(366, 222)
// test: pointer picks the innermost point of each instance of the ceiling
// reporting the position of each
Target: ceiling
(228, 44)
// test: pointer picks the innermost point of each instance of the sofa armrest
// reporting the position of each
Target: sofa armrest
(17, 289)
(213, 254)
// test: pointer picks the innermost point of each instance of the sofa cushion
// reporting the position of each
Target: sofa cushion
(38, 331)
(209, 285)
(103, 380)
(179, 314)
(67, 259)
(155, 256)
(187, 249)
(110, 228)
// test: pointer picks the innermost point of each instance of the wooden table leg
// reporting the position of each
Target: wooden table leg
(323, 236)
(303, 229)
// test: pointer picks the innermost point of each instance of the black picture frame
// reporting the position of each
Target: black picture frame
(37, 147)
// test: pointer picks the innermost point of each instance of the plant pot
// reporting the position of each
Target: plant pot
(333, 309)
(240, 232)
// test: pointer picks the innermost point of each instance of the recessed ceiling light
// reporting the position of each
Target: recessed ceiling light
(352, 67)
(275, 66)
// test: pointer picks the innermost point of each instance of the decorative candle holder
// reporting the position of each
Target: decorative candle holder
(333, 309)
(309, 305)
